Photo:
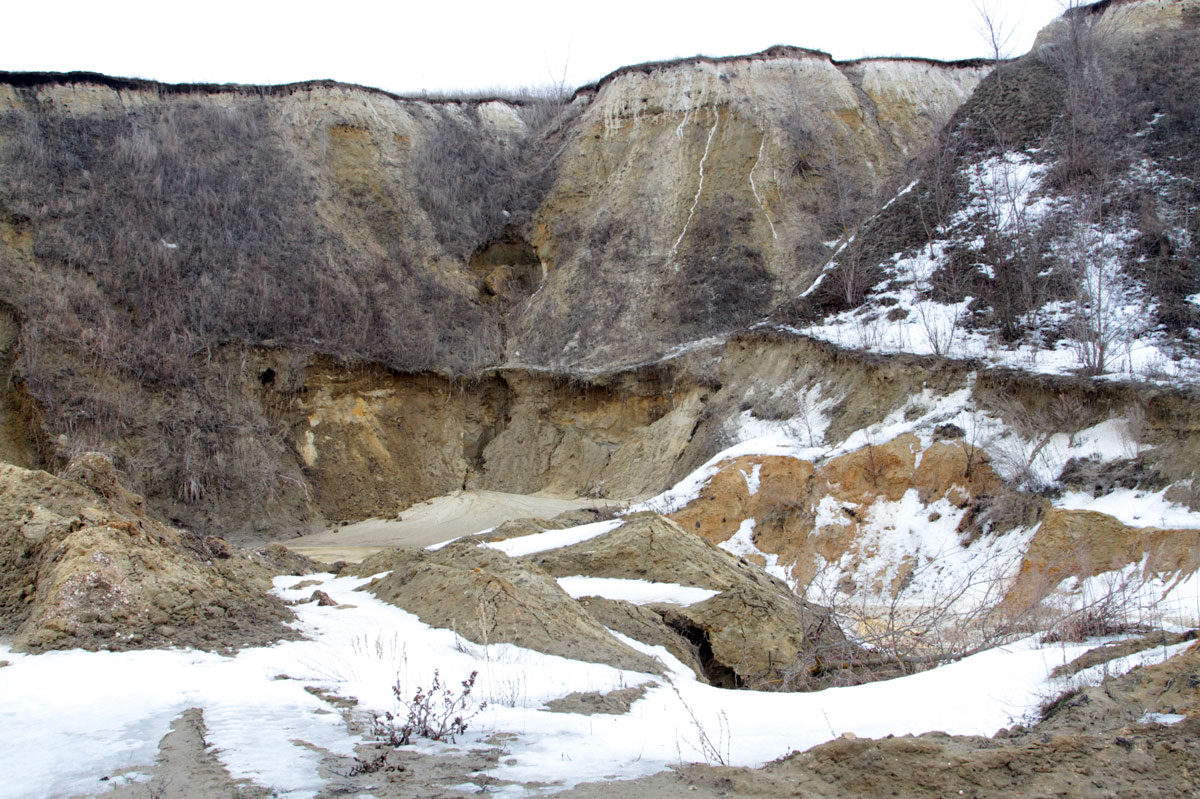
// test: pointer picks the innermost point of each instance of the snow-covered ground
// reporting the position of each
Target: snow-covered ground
(1107, 324)
(73, 717)
(70, 718)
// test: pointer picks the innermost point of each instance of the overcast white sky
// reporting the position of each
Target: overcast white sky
(438, 45)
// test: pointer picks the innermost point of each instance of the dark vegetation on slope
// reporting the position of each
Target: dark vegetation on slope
(168, 233)
(1093, 107)
(475, 184)
(721, 282)
(176, 228)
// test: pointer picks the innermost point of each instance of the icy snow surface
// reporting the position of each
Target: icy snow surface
(553, 539)
(1007, 196)
(639, 592)
(82, 715)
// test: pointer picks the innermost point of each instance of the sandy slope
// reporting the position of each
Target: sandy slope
(434, 521)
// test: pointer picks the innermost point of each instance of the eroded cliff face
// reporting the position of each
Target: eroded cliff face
(689, 198)
(296, 304)
(1129, 18)
(383, 256)
(373, 443)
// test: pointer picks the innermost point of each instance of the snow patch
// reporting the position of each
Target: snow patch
(1134, 508)
(553, 539)
(262, 719)
(639, 592)
(742, 545)
(752, 478)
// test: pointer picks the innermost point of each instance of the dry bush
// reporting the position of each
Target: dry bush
(439, 714)
(475, 182)
(721, 283)
(170, 234)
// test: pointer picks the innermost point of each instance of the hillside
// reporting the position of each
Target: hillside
(213, 252)
(711, 417)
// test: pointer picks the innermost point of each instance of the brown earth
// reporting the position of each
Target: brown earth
(187, 767)
(756, 633)
(81, 565)
(487, 598)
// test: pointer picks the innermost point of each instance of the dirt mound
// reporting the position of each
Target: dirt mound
(488, 598)
(655, 548)
(591, 703)
(646, 625)
(278, 559)
(81, 566)
(755, 633)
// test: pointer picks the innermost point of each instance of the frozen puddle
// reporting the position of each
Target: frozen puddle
(70, 718)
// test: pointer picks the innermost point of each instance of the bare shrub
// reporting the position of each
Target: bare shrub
(721, 283)
(1114, 611)
(439, 714)
(474, 182)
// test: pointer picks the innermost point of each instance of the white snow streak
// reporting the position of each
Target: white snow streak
(761, 147)
(699, 188)
(553, 539)
(639, 592)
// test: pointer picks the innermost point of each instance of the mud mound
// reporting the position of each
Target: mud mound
(488, 598)
(652, 547)
(81, 566)
(645, 625)
(591, 703)
(278, 559)
(756, 633)
(749, 638)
